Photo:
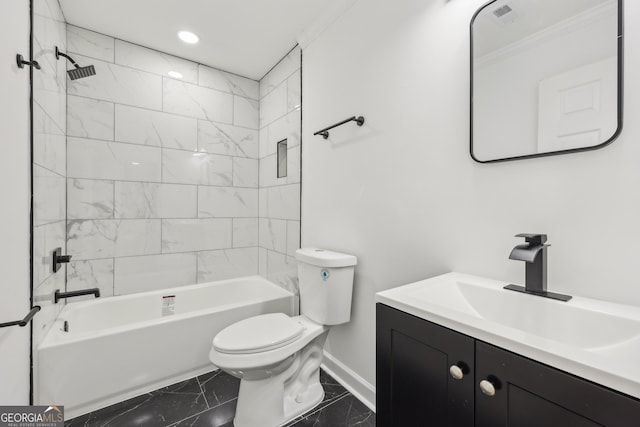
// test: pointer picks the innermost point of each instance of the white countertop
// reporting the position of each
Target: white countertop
(595, 340)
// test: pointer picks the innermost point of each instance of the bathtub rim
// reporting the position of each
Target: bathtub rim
(56, 337)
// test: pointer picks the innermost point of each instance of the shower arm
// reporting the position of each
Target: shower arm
(59, 54)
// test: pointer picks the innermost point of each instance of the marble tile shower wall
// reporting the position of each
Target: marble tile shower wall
(280, 119)
(163, 173)
(49, 160)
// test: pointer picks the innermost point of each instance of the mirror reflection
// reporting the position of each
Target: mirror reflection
(545, 77)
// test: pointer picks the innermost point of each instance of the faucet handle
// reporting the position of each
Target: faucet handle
(534, 239)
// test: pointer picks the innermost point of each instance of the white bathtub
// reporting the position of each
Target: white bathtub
(120, 347)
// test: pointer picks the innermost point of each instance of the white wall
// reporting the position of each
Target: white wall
(403, 194)
(15, 191)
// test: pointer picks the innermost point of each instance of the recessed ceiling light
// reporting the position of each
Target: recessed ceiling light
(175, 74)
(188, 37)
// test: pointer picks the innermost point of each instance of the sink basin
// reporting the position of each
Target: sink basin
(573, 324)
(593, 339)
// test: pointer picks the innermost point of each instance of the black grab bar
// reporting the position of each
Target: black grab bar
(325, 132)
(23, 322)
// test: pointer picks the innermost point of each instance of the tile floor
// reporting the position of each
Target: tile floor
(210, 400)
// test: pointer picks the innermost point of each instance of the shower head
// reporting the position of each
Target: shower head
(78, 72)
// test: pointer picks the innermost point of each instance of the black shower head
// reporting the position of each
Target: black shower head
(78, 72)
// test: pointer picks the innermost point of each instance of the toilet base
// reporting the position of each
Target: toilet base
(276, 400)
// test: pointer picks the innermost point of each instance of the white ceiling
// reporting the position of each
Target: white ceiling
(245, 37)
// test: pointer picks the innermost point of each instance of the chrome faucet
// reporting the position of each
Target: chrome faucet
(534, 254)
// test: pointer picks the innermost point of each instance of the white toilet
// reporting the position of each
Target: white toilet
(278, 357)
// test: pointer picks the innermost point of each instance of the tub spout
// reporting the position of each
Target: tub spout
(57, 296)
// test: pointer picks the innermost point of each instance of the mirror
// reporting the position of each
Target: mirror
(546, 77)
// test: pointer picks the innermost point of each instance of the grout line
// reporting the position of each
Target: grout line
(202, 392)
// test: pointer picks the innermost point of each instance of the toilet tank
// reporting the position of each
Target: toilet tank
(326, 285)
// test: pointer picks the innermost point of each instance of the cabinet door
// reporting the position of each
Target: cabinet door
(414, 385)
(530, 394)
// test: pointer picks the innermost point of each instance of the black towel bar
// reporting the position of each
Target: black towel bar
(325, 132)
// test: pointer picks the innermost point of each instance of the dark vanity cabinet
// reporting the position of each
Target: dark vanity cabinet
(428, 375)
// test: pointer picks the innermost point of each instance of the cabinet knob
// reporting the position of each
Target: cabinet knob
(487, 388)
(456, 372)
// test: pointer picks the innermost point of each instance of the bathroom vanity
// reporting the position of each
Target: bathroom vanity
(443, 360)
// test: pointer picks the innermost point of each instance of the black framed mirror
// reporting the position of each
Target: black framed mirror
(546, 77)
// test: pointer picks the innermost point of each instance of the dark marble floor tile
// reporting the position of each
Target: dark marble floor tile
(346, 411)
(158, 408)
(220, 416)
(332, 388)
(219, 387)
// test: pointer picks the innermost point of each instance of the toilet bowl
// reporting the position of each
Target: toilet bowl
(278, 357)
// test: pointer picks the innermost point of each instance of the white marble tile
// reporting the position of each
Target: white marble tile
(54, 104)
(269, 172)
(293, 237)
(46, 35)
(155, 272)
(283, 271)
(287, 66)
(227, 139)
(49, 196)
(152, 200)
(97, 273)
(148, 127)
(45, 239)
(112, 238)
(293, 165)
(184, 167)
(227, 264)
(89, 118)
(89, 199)
(273, 234)
(95, 159)
(227, 82)
(246, 112)
(153, 61)
(264, 140)
(287, 127)
(188, 235)
(115, 83)
(294, 99)
(262, 202)
(138, 237)
(245, 172)
(283, 202)
(227, 202)
(195, 101)
(274, 105)
(50, 151)
(91, 239)
(89, 43)
(49, 8)
(245, 232)
(262, 262)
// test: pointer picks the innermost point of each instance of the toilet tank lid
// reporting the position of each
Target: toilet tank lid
(325, 258)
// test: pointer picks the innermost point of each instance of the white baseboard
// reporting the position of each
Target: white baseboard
(353, 382)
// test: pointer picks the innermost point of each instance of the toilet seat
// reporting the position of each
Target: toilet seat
(258, 334)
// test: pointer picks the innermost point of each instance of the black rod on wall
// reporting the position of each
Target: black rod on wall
(325, 132)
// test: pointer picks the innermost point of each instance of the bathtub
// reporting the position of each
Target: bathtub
(120, 347)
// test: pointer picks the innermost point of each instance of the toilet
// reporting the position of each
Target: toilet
(278, 357)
